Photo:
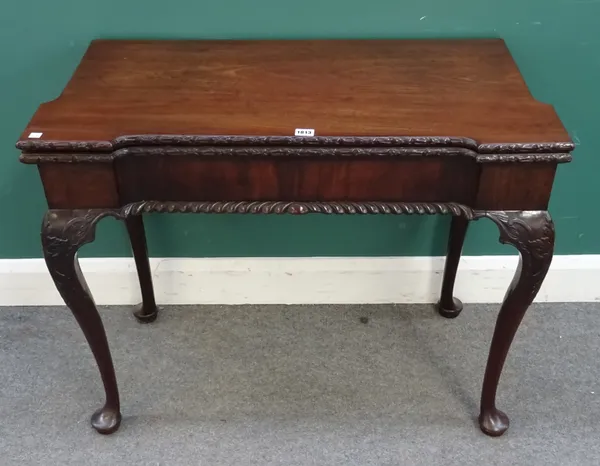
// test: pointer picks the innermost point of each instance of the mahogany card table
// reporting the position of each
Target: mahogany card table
(333, 127)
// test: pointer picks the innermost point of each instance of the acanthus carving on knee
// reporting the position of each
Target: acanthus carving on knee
(67, 230)
(532, 234)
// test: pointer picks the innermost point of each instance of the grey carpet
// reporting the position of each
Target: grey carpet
(301, 385)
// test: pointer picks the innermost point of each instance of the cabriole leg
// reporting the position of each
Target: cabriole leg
(532, 233)
(63, 233)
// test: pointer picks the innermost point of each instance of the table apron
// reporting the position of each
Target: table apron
(490, 186)
(406, 179)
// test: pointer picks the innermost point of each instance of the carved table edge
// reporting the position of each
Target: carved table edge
(39, 158)
(36, 151)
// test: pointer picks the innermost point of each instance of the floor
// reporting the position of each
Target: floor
(301, 385)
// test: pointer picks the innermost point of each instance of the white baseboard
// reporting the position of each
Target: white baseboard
(300, 280)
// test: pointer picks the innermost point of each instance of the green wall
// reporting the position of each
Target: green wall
(555, 43)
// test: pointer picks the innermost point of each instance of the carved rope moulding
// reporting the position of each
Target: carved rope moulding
(282, 207)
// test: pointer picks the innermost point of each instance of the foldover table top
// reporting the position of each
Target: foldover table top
(431, 88)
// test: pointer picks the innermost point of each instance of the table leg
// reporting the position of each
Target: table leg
(532, 233)
(63, 233)
(449, 306)
(147, 311)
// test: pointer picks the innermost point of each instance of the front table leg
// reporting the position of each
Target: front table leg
(63, 233)
(532, 233)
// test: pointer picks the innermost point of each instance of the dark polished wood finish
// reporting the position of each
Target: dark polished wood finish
(401, 127)
(147, 311)
(266, 88)
(448, 305)
(63, 233)
(532, 233)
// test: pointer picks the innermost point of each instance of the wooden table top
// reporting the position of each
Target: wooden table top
(460, 88)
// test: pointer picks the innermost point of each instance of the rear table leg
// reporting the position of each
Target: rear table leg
(147, 311)
(449, 306)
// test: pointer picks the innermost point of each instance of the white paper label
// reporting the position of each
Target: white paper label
(304, 132)
(35, 135)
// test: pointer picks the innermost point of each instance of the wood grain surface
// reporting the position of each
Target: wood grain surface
(462, 88)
